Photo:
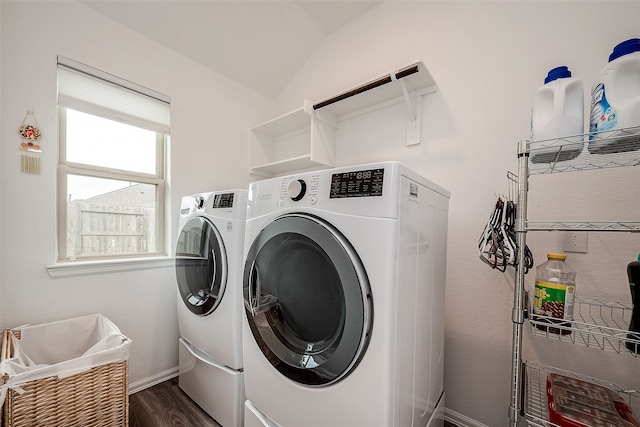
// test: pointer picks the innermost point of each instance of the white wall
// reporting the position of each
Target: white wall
(488, 58)
(210, 116)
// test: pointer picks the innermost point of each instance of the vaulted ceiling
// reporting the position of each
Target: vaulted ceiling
(259, 43)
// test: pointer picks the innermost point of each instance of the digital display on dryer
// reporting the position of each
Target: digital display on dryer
(223, 200)
(365, 183)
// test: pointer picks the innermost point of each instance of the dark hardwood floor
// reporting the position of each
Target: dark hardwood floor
(165, 405)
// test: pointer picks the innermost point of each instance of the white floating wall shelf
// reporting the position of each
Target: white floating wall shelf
(305, 138)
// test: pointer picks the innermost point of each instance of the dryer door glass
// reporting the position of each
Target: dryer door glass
(307, 299)
(201, 265)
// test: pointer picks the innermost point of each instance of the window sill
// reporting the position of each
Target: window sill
(87, 268)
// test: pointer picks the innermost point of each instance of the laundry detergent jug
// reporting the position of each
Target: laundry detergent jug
(615, 102)
(558, 112)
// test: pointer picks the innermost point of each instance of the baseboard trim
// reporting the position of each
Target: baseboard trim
(153, 380)
(461, 420)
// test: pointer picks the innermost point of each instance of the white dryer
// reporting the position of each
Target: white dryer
(343, 286)
(210, 307)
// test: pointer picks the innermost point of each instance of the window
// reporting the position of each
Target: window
(113, 138)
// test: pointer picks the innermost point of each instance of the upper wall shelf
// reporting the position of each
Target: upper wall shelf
(305, 138)
(294, 141)
(396, 86)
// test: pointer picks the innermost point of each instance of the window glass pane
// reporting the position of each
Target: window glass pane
(110, 217)
(96, 141)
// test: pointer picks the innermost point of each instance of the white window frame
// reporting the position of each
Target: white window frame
(66, 168)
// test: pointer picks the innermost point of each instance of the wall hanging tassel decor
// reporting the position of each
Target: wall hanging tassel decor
(30, 164)
(30, 135)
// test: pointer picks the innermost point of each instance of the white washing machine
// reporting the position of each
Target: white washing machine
(343, 286)
(210, 306)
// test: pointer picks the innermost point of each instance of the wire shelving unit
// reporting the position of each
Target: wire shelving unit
(597, 323)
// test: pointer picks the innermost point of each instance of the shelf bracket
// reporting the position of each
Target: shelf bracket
(414, 125)
(403, 86)
(414, 109)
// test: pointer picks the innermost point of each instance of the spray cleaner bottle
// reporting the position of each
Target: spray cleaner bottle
(633, 272)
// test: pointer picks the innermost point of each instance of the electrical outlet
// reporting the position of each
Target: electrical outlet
(576, 241)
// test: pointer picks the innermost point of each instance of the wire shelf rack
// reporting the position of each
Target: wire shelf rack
(536, 410)
(633, 227)
(576, 152)
(597, 323)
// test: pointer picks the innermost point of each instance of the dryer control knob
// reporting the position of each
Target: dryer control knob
(297, 189)
(199, 202)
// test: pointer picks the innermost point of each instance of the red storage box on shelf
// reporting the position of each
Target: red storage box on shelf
(578, 403)
(67, 373)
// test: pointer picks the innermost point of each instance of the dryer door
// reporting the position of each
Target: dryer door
(201, 265)
(307, 299)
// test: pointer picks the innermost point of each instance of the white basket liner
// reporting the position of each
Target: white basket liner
(62, 349)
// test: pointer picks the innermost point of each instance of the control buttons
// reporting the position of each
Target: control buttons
(313, 200)
(297, 189)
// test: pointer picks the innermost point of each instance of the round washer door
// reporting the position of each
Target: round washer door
(307, 299)
(201, 265)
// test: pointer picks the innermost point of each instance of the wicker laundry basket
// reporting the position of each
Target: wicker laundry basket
(90, 389)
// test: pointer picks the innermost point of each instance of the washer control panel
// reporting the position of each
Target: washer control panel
(363, 183)
(223, 201)
(350, 184)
